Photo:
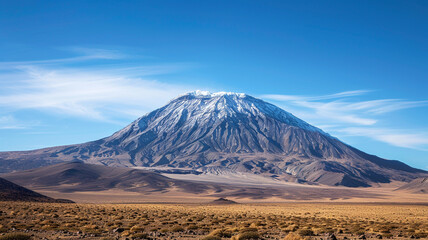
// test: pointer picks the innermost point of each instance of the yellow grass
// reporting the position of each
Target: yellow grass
(196, 221)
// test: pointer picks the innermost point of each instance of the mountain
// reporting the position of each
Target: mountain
(223, 201)
(226, 132)
(78, 176)
(419, 185)
(10, 191)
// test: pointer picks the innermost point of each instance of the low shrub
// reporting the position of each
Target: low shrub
(192, 227)
(247, 236)
(177, 229)
(211, 238)
(137, 228)
(15, 236)
(305, 232)
(248, 229)
(293, 236)
(222, 233)
(140, 236)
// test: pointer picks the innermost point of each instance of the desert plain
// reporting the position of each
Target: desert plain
(293, 220)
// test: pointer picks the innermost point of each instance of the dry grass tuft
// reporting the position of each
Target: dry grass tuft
(15, 236)
(293, 236)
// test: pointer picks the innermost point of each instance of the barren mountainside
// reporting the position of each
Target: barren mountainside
(226, 132)
(10, 191)
(419, 185)
(77, 176)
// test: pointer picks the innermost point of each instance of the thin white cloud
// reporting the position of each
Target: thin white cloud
(84, 54)
(97, 53)
(10, 122)
(339, 108)
(399, 138)
(315, 98)
(335, 110)
(340, 113)
(92, 92)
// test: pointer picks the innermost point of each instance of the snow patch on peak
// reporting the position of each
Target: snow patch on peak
(205, 106)
(199, 93)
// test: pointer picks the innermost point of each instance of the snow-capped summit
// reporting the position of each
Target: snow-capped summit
(233, 132)
(199, 93)
(207, 106)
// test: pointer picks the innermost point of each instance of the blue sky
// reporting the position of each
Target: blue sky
(75, 71)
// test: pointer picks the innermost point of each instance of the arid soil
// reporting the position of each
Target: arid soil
(202, 221)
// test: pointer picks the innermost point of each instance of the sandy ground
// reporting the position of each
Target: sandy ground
(379, 194)
(119, 196)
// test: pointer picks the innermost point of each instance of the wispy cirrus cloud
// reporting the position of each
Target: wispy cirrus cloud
(342, 109)
(315, 98)
(81, 55)
(340, 113)
(10, 122)
(395, 137)
(100, 92)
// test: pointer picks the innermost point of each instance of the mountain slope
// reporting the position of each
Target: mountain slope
(228, 132)
(72, 179)
(78, 176)
(10, 191)
(419, 185)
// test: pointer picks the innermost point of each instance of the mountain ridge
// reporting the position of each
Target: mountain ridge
(77, 176)
(70, 179)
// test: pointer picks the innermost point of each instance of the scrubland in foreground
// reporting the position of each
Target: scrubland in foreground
(196, 221)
